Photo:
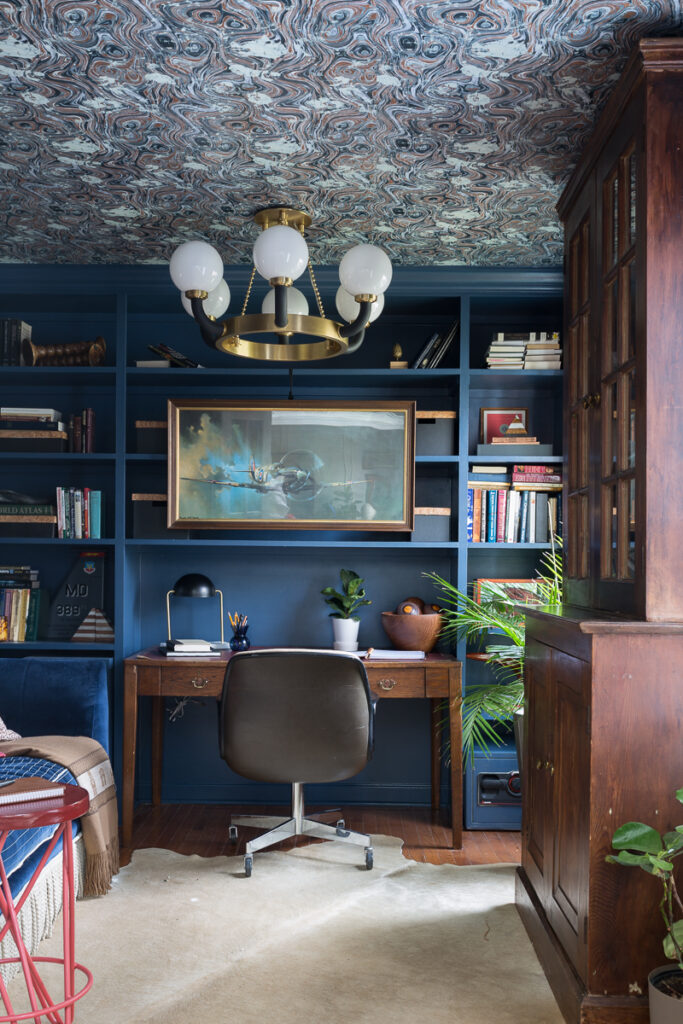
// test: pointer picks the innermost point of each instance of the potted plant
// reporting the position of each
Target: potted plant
(345, 623)
(487, 706)
(643, 847)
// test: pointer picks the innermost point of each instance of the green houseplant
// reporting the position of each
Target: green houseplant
(487, 707)
(641, 846)
(344, 604)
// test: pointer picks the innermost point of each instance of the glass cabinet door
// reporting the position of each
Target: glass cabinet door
(618, 372)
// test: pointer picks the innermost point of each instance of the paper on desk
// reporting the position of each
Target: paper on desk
(391, 655)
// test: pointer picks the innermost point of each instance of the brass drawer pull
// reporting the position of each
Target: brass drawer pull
(386, 684)
(199, 683)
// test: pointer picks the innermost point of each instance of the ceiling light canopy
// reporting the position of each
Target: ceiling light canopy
(280, 255)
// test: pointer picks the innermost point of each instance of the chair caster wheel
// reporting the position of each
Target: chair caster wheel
(341, 823)
(248, 864)
(232, 833)
(369, 855)
(341, 828)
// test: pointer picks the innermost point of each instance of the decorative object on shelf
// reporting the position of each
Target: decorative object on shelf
(73, 353)
(345, 623)
(498, 423)
(95, 628)
(291, 464)
(193, 584)
(82, 590)
(397, 360)
(239, 640)
(414, 626)
(280, 255)
(642, 846)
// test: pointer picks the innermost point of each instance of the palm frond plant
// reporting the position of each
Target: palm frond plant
(488, 706)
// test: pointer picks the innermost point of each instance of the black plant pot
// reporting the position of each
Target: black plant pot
(665, 1008)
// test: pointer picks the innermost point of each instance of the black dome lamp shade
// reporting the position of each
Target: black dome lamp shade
(193, 584)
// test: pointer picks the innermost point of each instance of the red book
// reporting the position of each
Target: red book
(536, 478)
(534, 469)
(90, 431)
(502, 508)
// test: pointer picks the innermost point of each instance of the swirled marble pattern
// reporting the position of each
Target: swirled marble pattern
(441, 129)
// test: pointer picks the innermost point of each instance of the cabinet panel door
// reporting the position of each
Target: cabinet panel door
(537, 804)
(570, 771)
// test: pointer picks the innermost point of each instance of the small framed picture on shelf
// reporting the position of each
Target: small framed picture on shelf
(516, 591)
(495, 422)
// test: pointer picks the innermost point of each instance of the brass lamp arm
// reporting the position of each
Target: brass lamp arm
(210, 329)
(361, 321)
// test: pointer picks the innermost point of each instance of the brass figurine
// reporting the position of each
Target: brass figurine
(72, 353)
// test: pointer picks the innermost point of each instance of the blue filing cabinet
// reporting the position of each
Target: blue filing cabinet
(493, 797)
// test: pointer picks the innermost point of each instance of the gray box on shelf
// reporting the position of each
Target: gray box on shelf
(151, 437)
(432, 524)
(529, 451)
(435, 432)
(149, 518)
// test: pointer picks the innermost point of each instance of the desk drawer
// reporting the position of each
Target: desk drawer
(189, 680)
(390, 681)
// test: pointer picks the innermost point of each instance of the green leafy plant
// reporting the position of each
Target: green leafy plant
(488, 706)
(351, 598)
(643, 847)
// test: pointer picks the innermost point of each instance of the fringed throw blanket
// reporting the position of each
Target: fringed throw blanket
(88, 762)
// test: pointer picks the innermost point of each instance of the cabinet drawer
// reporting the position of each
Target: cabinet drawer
(192, 679)
(396, 682)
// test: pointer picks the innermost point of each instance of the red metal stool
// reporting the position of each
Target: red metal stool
(35, 814)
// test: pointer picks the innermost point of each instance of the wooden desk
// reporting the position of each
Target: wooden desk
(151, 674)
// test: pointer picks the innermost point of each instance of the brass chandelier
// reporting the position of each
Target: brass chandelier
(280, 255)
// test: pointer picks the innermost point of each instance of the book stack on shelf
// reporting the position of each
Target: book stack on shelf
(81, 431)
(20, 601)
(13, 333)
(435, 349)
(79, 513)
(29, 429)
(518, 507)
(525, 350)
(24, 516)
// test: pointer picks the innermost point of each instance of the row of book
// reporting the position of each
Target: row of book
(20, 603)
(42, 429)
(13, 333)
(528, 350)
(79, 513)
(435, 349)
(497, 516)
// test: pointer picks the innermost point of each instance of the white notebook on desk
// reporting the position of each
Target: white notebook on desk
(376, 654)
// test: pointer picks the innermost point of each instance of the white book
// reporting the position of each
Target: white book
(375, 654)
(21, 411)
(19, 791)
(193, 654)
(191, 645)
(531, 527)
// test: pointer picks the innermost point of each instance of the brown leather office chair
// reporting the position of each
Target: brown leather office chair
(296, 716)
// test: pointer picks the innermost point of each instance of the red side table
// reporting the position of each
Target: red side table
(58, 811)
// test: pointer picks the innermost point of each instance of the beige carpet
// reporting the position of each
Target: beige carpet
(311, 936)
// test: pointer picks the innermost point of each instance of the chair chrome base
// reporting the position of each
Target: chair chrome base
(296, 825)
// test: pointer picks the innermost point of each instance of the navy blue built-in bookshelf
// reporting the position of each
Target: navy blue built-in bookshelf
(276, 579)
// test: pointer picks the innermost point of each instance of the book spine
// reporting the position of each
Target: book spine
(90, 431)
(27, 510)
(502, 509)
(531, 519)
(470, 514)
(536, 478)
(484, 505)
(533, 469)
(476, 526)
(86, 512)
(32, 617)
(96, 515)
(15, 601)
(492, 517)
(438, 354)
(418, 363)
(78, 433)
(23, 615)
(523, 517)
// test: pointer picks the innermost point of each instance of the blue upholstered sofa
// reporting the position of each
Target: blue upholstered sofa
(39, 697)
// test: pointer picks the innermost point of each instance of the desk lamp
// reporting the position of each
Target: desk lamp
(193, 584)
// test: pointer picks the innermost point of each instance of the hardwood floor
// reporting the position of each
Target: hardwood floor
(203, 829)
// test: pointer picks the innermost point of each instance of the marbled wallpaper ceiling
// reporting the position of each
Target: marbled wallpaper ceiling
(441, 129)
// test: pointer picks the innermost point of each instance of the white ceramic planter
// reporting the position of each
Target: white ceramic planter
(664, 1009)
(345, 633)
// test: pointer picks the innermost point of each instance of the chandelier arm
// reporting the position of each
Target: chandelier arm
(359, 324)
(210, 329)
(355, 342)
(280, 305)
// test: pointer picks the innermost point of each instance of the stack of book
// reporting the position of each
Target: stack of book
(524, 350)
(81, 431)
(79, 513)
(189, 649)
(518, 507)
(28, 429)
(20, 600)
(24, 516)
(435, 349)
(12, 335)
(174, 357)
(506, 351)
(544, 353)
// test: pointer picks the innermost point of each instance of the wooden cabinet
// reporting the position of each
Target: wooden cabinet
(622, 211)
(603, 746)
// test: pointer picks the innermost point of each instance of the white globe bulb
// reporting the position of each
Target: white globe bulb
(280, 252)
(297, 304)
(196, 266)
(365, 270)
(348, 307)
(215, 303)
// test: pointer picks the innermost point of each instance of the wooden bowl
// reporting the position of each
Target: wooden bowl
(412, 632)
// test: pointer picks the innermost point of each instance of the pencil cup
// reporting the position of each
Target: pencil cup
(240, 641)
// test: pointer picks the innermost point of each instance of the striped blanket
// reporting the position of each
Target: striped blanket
(88, 762)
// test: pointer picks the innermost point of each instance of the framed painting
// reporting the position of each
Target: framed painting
(494, 422)
(518, 591)
(313, 465)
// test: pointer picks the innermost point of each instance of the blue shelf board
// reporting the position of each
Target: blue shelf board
(502, 546)
(404, 545)
(59, 376)
(56, 645)
(58, 541)
(60, 456)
